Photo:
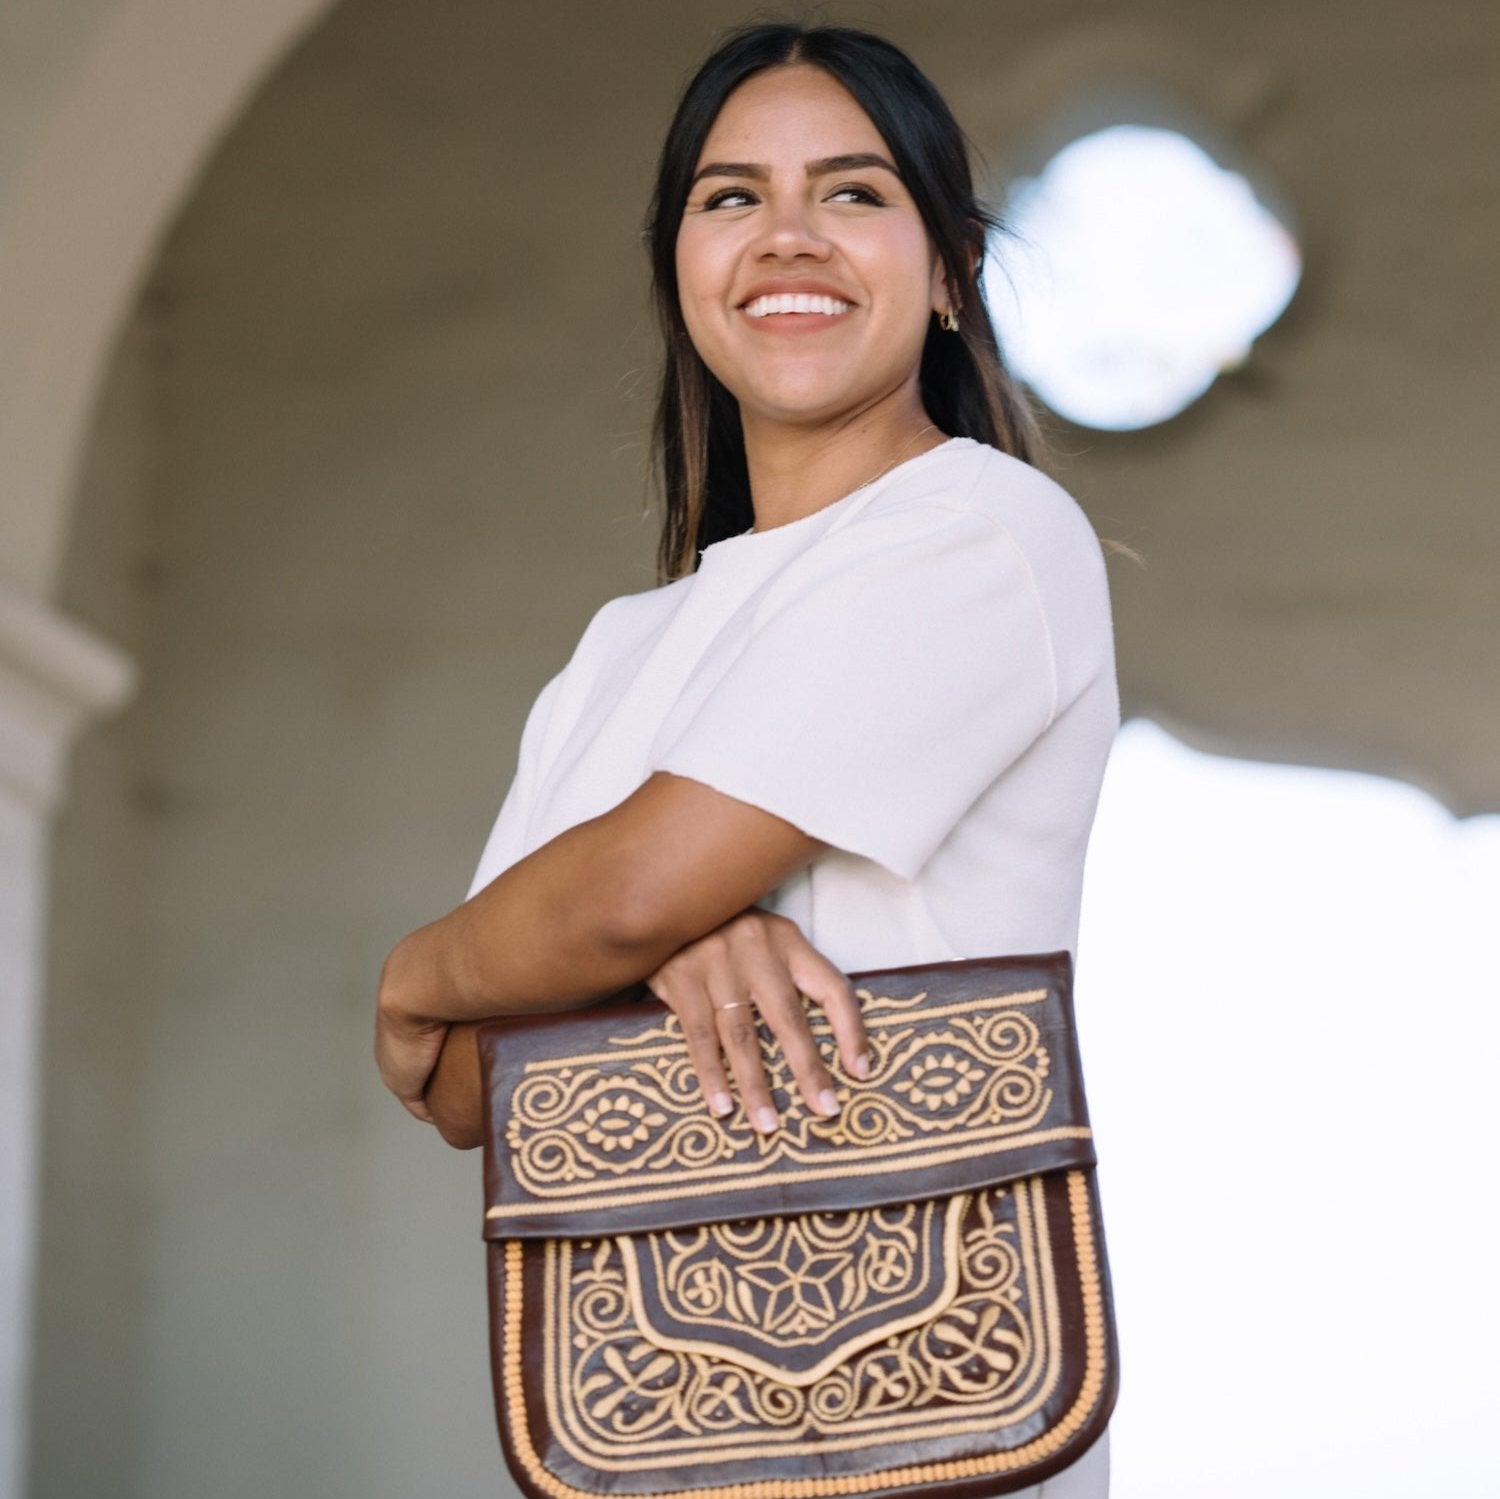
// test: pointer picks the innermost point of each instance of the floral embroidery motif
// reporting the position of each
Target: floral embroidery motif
(796, 1285)
(938, 1079)
(616, 1123)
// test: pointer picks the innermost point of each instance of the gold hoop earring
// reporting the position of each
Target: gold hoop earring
(948, 318)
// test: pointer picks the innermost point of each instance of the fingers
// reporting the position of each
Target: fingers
(785, 1012)
(759, 967)
(695, 1013)
(719, 1000)
(827, 987)
(759, 972)
(406, 1052)
(740, 1038)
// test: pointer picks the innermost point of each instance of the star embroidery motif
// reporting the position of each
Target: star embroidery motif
(796, 1284)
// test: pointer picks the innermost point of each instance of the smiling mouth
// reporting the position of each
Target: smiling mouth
(800, 302)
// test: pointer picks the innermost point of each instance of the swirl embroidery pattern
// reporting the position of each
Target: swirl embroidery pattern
(983, 1355)
(972, 1074)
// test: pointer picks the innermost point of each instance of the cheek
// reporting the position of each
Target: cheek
(700, 283)
(700, 266)
(902, 261)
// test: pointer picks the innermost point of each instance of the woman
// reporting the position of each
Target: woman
(869, 729)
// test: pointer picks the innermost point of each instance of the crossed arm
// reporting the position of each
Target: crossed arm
(660, 888)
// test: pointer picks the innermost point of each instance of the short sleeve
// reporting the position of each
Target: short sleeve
(893, 672)
(507, 840)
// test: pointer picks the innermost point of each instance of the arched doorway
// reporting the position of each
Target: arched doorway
(368, 453)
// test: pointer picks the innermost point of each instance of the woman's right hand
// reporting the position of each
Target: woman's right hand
(759, 967)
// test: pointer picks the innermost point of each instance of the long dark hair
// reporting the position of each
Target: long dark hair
(699, 448)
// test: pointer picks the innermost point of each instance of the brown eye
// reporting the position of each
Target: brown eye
(857, 192)
(729, 197)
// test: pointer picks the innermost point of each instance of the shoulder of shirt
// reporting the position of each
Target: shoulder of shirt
(968, 478)
(634, 613)
(964, 478)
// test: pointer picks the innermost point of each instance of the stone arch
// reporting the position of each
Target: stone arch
(144, 103)
(145, 106)
(277, 480)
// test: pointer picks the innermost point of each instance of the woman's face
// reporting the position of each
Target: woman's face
(806, 274)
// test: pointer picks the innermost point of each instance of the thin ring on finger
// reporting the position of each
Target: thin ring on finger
(745, 1063)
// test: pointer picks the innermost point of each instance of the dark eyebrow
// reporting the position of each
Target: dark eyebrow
(731, 169)
(823, 167)
(850, 163)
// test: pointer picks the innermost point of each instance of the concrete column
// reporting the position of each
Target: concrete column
(54, 678)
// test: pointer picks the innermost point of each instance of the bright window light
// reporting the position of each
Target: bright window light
(1135, 270)
(1290, 1019)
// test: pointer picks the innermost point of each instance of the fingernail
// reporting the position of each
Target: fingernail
(828, 1102)
(862, 1065)
(765, 1119)
(720, 1104)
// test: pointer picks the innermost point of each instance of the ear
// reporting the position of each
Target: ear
(942, 300)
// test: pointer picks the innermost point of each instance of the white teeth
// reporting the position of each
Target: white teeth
(796, 301)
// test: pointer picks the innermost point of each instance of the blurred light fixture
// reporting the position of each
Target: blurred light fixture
(1133, 271)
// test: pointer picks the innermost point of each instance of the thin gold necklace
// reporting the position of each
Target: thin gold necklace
(901, 452)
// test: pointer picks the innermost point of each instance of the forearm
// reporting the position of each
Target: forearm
(597, 909)
(512, 950)
(552, 932)
(557, 930)
(593, 911)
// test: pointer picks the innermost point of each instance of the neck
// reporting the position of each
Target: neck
(796, 471)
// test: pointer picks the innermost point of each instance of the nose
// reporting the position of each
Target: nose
(789, 232)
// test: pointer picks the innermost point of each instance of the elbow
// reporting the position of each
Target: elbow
(461, 1134)
(631, 924)
(458, 1116)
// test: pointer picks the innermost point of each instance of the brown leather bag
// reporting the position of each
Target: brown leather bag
(910, 1298)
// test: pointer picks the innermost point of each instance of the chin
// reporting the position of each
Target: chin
(803, 403)
(804, 393)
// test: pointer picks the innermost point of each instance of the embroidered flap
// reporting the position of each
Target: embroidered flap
(598, 1127)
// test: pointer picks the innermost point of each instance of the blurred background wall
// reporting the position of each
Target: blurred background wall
(325, 369)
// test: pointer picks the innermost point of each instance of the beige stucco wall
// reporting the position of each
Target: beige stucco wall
(369, 451)
(41, 42)
(357, 482)
(93, 1286)
(111, 110)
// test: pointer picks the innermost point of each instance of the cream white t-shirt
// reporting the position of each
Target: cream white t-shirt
(921, 675)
